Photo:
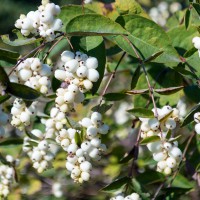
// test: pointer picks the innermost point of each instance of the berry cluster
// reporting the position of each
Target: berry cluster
(78, 77)
(166, 153)
(21, 115)
(33, 73)
(167, 118)
(79, 155)
(3, 121)
(133, 196)
(197, 120)
(6, 178)
(41, 154)
(42, 22)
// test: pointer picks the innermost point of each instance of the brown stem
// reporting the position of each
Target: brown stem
(112, 75)
(68, 40)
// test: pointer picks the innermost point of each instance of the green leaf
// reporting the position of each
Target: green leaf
(190, 52)
(3, 77)
(153, 57)
(70, 11)
(92, 46)
(135, 77)
(196, 7)
(166, 117)
(55, 84)
(48, 107)
(141, 112)
(89, 24)
(174, 139)
(182, 182)
(39, 126)
(11, 141)
(78, 139)
(150, 177)
(30, 135)
(3, 160)
(117, 184)
(4, 98)
(168, 91)
(102, 108)
(114, 96)
(20, 41)
(190, 116)
(22, 91)
(142, 91)
(150, 139)
(187, 18)
(152, 40)
(113, 50)
(9, 56)
(72, 123)
(132, 154)
(193, 93)
(169, 133)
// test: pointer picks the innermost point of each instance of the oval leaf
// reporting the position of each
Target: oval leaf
(22, 91)
(11, 141)
(168, 91)
(3, 76)
(9, 56)
(150, 139)
(114, 96)
(93, 24)
(4, 98)
(141, 112)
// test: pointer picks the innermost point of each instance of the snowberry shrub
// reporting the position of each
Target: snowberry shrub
(99, 95)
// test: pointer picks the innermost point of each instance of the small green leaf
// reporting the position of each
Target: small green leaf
(190, 116)
(3, 160)
(20, 41)
(174, 139)
(30, 135)
(113, 50)
(141, 112)
(169, 133)
(166, 117)
(196, 7)
(193, 93)
(168, 91)
(92, 26)
(132, 92)
(3, 77)
(22, 91)
(78, 139)
(72, 123)
(190, 52)
(55, 84)
(150, 139)
(117, 184)
(11, 141)
(114, 96)
(187, 18)
(102, 108)
(132, 154)
(153, 57)
(48, 107)
(4, 98)
(9, 56)
(135, 77)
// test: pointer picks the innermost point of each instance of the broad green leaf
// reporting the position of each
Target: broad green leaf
(78, 139)
(22, 91)
(168, 91)
(190, 116)
(4, 98)
(153, 57)
(114, 96)
(193, 93)
(92, 46)
(129, 7)
(190, 52)
(141, 112)
(135, 77)
(70, 11)
(117, 184)
(182, 182)
(92, 26)
(150, 139)
(9, 56)
(20, 41)
(113, 50)
(102, 108)
(152, 40)
(3, 77)
(11, 141)
(187, 18)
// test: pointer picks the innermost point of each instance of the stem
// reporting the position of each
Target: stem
(70, 43)
(27, 55)
(52, 47)
(183, 158)
(158, 190)
(112, 75)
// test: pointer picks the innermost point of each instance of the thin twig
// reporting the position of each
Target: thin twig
(70, 43)
(158, 190)
(52, 47)
(112, 75)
